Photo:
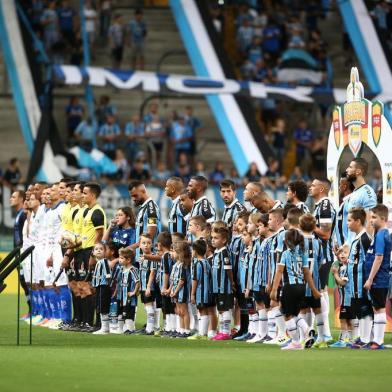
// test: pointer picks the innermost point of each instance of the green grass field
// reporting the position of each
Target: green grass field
(67, 361)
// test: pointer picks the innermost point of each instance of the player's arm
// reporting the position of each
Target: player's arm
(324, 231)
(339, 281)
(194, 287)
(152, 257)
(309, 280)
(151, 280)
(369, 228)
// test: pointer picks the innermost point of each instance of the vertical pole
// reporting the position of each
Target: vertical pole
(31, 298)
(18, 305)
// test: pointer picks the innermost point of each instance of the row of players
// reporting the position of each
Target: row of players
(52, 223)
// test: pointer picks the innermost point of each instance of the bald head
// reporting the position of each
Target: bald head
(251, 190)
(174, 187)
(263, 202)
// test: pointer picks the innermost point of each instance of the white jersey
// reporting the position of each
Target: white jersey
(37, 227)
(54, 229)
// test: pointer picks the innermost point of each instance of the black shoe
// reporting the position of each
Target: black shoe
(127, 332)
(140, 331)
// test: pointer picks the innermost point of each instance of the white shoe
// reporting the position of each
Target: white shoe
(116, 331)
(293, 346)
(55, 324)
(278, 340)
(101, 332)
(255, 339)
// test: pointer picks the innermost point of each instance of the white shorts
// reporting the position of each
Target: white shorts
(57, 255)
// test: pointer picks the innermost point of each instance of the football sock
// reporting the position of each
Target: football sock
(380, 321)
(279, 322)
(365, 328)
(203, 326)
(150, 318)
(129, 325)
(263, 323)
(325, 313)
(355, 328)
(271, 323)
(253, 319)
(303, 327)
(292, 330)
(226, 320)
(157, 314)
(320, 326)
(105, 322)
(120, 324)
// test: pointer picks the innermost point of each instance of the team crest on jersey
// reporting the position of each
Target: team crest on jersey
(151, 221)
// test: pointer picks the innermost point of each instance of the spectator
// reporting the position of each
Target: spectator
(318, 157)
(376, 181)
(134, 132)
(139, 172)
(116, 40)
(181, 137)
(105, 15)
(160, 174)
(90, 15)
(273, 178)
(259, 22)
(217, 174)
(104, 108)
(50, 22)
(36, 10)
(74, 114)
(108, 135)
(303, 137)
(234, 176)
(253, 174)
(272, 39)
(77, 50)
(278, 139)
(298, 175)
(195, 124)
(254, 52)
(122, 166)
(155, 133)
(85, 133)
(12, 175)
(184, 172)
(296, 40)
(66, 15)
(244, 36)
(200, 169)
(138, 33)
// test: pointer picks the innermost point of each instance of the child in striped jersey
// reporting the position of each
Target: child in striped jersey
(213, 325)
(346, 315)
(129, 290)
(100, 280)
(148, 271)
(293, 271)
(164, 244)
(179, 285)
(200, 293)
(314, 249)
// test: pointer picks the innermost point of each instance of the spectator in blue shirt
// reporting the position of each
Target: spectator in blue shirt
(85, 133)
(195, 124)
(105, 108)
(35, 11)
(244, 36)
(138, 33)
(217, 174)
(66, 16)
(254, 51)
(50, 23)
(272, 39)
(74, 113)
(181, 137)
(108, 135)
(303, 137)
(134, 132)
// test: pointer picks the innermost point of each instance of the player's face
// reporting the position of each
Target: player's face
(15, 199)
(315, 188)
(227, 195)
(186, 203)
(251, 227)
(62, 187)
(77, 194)
(192, 228)
(99, 251)
(217, 240)
(136, 195)
(192, 189)
(246, 238)
(88, 196)
(29, 191)
(169, 189)
(352, 224)
(351, 172)
(46, 197)
(274, 222)
(290, 195)
(248, 192)
(145, 245)
(33, 203)
(121, 218)
(54, 193)
(122, 260)
(68, 195)
(376, 221)
(38, 189)
(261, 229)
(342, 187)
(241, 225)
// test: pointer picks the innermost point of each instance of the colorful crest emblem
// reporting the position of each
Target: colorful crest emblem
(377, 110)
(336, 126)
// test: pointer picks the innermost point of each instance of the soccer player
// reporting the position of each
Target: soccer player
(222, 281)
(196, 227)
(345, 190)
(297, 193)
(129, 289)
(292, 272)
(173, 189)
(100, 280)
(251, 189)
(264, 203)
(377, 266)
(148, 271)
(148, 219)
(363, 195)
(93, 228)
(200, 293)
(360, 303)
(232, 205)
(196, 189)
(325, 215)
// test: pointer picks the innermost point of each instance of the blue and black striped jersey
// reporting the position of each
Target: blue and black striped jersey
(201, 273)
(164, 269)
(180, 273)
(314, 249)
(231, 212)
(101, 274)
(276, 247)
(177, 222)
(221, 264)
(148, 215)
(203, 207)
(344, 291)
(129, 278)
(294, 262)
(236, 248)
(146, 267)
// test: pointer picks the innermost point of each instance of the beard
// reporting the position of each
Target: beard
(351, 177)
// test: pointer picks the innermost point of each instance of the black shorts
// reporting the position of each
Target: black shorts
(117, 53)
(324, 274)
(346, 313)
(262, 296)
(146, 300)
(158, 299)
(361, 307)
(167, 305)
(103, 299)
(378, 297)
(311, 302)
(128, 311)
(224, 302)
(244, 303)
(292, 297)
(78, 263)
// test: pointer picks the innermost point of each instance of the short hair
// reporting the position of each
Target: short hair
(293, 216)
(165, 239)
(300, 188)
(146, 235)
(244, 215)
(325, 182)
(307, 223)
(178, 236)
(218, 224)
(94, 187)
(201, 180)
(277, 211)
(71, 184)
(264, 219)
(66, 180)
(199, 220)
(21, 194)
(358, 213)
(287, 207)
(13, 161)
(127, 253)
(294, 238)
(258, 185)
(361, 164)
(200, 247)
(224, 232)
(227, 184)
(135, 184)
(255, 217)
(178, 182)
(381, 210)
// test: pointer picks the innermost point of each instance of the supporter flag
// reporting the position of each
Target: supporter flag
(297, 65)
